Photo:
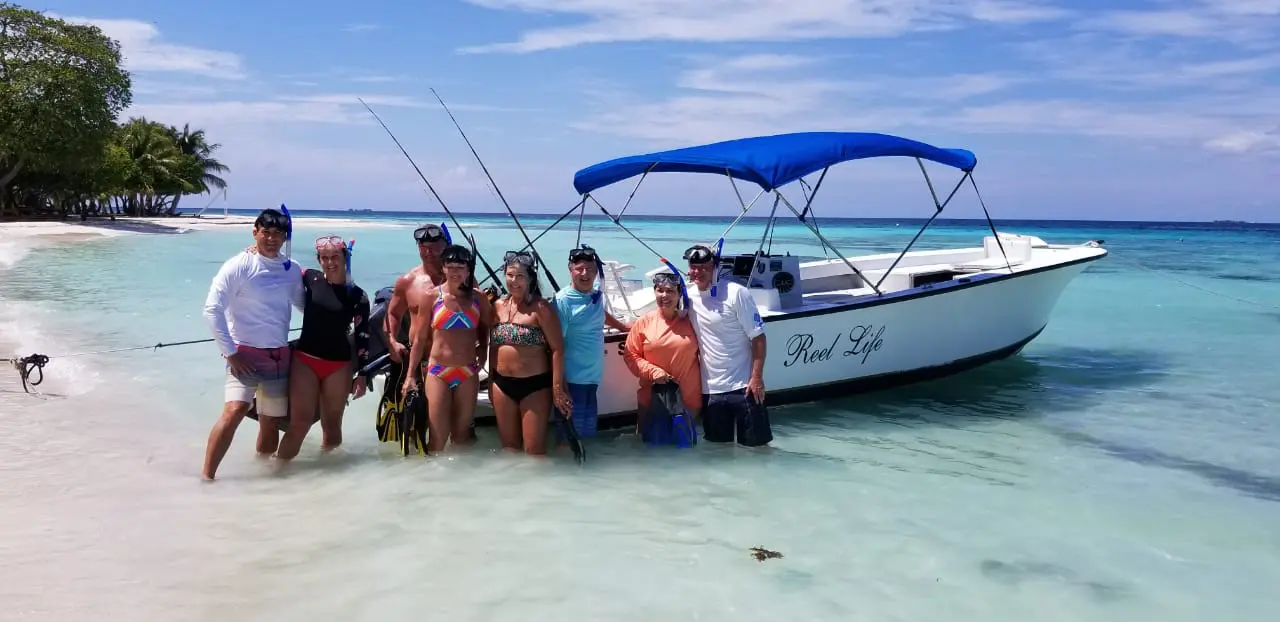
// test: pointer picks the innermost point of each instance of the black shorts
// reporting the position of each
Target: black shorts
(725, 413)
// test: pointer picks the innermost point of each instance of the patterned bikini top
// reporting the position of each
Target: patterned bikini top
(445, 319)
(514, 334)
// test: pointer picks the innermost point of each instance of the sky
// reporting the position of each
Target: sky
(1080, 109)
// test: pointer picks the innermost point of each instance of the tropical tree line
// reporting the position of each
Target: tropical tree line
(63, 149)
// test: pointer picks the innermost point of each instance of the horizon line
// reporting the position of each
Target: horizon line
(502, 215)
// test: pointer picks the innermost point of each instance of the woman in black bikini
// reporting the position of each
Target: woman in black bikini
(523, 379)
(455, 344)
(321, 371)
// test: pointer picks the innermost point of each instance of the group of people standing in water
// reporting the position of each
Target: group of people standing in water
(544, 355)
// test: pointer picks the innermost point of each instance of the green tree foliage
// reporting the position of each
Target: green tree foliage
(62, 151)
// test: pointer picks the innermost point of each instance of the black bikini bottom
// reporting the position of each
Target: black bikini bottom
(519, 388)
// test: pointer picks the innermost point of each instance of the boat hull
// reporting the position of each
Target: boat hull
(881, 342)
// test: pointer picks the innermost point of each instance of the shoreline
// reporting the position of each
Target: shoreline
(32, 233)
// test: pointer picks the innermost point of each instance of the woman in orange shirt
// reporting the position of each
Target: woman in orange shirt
(662, 347)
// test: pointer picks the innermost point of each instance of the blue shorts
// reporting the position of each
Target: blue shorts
(584, 411)
(723, 414)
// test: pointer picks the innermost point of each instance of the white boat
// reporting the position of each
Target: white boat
(843, 325)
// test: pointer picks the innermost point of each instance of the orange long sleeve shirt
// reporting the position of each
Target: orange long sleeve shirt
(656, 347)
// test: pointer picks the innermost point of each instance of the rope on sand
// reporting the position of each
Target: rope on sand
(33, 364)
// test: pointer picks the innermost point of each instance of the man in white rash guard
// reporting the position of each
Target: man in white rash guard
(248, 310)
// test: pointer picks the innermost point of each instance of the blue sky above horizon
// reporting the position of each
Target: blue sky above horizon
(1153, 110)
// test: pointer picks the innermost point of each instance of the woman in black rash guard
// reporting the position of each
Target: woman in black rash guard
(321, 373)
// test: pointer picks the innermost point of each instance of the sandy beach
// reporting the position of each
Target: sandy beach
(144, 225)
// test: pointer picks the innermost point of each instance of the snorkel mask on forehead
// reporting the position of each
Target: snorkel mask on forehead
(456, 254)
(524, 258)
(586, 253)
(279, 220)
(701, 254)
(427, 234)
(673, 278)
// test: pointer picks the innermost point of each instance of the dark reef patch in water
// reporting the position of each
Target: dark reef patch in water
(1252, 484)
(1014, 573)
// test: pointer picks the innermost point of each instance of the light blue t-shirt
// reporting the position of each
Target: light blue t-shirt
(582, 324)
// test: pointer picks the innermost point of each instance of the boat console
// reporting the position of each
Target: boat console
(772, 280)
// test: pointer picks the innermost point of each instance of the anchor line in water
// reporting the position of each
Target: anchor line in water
(498, 191)
(435, 194)
(1202, 288)
(33, 364)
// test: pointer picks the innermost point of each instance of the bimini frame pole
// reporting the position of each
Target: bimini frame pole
(623, 227)
(808, 202)
(938, 207)
(1000, 244)
(825, 242)
(746, 207)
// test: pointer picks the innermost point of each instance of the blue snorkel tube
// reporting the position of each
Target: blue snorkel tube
(684, 291)
(448, 239)
(288, 238)
(595, 297)
(715, 265)
(351, 247)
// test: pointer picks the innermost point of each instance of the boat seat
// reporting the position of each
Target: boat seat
(1017, 248)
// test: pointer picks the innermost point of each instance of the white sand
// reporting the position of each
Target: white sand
(18, 238)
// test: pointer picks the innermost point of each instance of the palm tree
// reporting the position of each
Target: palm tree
(157, 164)
(204, 170)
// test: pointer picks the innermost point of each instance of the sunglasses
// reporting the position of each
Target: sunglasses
(330, 241)
(428, 233)
(583, 254)
(698, 254)
(523, 257)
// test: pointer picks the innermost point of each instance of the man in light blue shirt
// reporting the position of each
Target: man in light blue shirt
(583, 317)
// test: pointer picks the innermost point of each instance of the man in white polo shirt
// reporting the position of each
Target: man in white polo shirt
(731, 349)
(248, 310)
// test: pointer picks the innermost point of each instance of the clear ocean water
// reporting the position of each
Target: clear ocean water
(1125, 466)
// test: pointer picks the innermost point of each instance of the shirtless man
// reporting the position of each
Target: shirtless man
(407, 295)
(411, 288)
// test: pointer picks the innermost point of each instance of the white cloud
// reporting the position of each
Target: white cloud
(360, 27)
(1230, 20)
(143, 50)
(718, 101)
(1246, 141)
(375, 78)
(752, 20)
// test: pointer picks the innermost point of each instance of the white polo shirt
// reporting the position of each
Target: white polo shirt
(725, 326)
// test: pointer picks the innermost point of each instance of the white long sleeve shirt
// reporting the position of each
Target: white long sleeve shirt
(250, 302)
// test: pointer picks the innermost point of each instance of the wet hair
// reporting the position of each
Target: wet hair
(272, 218)
(459, 254)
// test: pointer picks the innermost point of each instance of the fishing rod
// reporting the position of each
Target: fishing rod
(563, 216)
(432, 189)
(514, 218)
(34, 363)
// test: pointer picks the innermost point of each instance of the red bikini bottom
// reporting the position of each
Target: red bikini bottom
(322, 368)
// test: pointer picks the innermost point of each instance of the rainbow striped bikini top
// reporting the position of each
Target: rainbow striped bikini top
(444, 319)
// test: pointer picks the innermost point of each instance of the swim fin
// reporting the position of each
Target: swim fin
(571, 435)
(668, 422)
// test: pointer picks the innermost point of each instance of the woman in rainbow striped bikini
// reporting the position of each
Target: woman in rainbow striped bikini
(455, 344)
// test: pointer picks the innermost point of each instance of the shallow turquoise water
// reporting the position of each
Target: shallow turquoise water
(1126, 466)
